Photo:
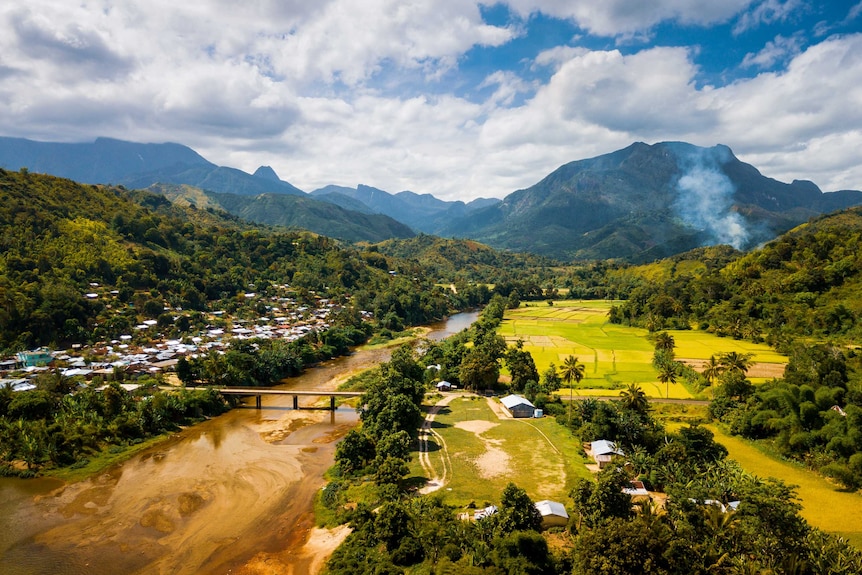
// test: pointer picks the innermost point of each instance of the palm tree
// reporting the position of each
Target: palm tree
(735, 361)
(572, 371)
(712, 368)
(634, 398)
(667, 375)
(664, 341)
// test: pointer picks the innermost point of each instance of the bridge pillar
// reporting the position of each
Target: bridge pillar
(258, 401)
(295, 402)
(332, 402)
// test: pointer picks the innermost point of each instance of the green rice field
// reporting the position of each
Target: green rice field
(614, 355)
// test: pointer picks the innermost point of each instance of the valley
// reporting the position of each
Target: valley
(240, 304)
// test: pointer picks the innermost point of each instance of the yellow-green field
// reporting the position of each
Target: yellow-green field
(822, 505)
(614, 355)
(480, 453)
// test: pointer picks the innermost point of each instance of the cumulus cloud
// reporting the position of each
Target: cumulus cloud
(315, 89)
(646, 92)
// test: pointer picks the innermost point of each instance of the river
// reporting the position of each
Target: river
(231, 495)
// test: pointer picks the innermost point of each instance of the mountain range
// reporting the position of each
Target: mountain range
(638, 204)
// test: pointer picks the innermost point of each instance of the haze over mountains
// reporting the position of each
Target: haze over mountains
(640, 203)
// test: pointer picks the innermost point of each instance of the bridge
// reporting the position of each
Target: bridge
(259, 392)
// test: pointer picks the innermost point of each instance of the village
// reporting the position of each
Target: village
(147, 351)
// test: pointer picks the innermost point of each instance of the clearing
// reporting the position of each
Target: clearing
(470, 448)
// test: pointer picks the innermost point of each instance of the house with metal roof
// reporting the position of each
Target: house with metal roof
(603, 451)
(518, 406)
(553, 513)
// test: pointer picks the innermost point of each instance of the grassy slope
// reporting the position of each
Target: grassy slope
(822, 505)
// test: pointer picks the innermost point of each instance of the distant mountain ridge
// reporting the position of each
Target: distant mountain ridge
(292, 211)
(422, 212)
(640, 203)
(647, 202)
(134, 165)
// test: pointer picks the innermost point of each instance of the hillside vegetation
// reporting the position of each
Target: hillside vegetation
(805, 283)
(59, 239)
(292, 211)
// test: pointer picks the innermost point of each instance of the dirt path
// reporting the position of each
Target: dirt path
(426, 432)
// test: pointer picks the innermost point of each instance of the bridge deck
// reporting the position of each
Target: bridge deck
(268, 391)
(259, 392)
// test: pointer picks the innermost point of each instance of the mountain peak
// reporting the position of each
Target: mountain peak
(266, 173)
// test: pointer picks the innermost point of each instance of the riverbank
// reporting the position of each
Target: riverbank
(233, 494)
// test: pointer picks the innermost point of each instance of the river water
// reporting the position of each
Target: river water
(231, 495)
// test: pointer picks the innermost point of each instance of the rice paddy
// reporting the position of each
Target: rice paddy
(615, 355)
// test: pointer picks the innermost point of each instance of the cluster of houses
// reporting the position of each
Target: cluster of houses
(159, 355)
(603, 453)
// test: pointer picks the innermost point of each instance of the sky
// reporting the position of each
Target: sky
(457, 98)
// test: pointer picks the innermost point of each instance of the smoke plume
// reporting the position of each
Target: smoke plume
(705, 197)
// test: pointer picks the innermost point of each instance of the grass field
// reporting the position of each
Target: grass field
(614, 355)
(822, 505)
(484, 453)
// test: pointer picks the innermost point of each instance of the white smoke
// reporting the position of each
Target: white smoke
(705, 198)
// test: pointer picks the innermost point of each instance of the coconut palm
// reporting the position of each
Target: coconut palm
(712, 369)
(733, 361)
(664, 341)
(667, 375)
(634, 398)
(572, 371)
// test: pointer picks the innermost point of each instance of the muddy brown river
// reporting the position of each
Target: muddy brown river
(231, 495)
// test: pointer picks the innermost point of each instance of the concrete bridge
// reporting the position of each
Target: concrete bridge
(259, 392)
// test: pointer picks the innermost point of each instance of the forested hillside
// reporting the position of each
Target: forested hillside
(802, 293)
(806, 283)
(58, 239)
(293, 211)
(469, 261)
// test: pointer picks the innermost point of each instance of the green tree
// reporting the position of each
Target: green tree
(572, 371)
(712, 368)
(521, 366)
(620, 547)
(634, 399)
(667, 374)
(665, 342)
(478, 370)
(354, 452)
(596, 502)
(550, 379)
(734, 361)
(517, 511)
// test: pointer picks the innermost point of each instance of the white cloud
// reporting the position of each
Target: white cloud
(768, 12)
(796, 119)
(508, 86)
(777, 50)
(293, 85)
(628, 17)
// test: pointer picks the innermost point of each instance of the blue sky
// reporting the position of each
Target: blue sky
(457, 98)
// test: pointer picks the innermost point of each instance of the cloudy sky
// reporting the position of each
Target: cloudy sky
(457, 98)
